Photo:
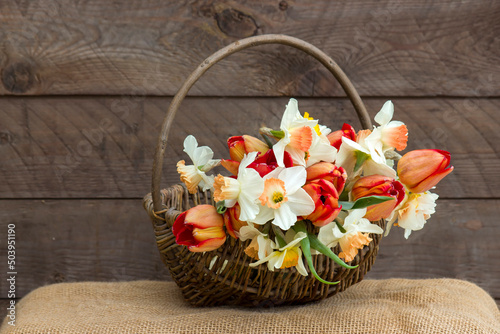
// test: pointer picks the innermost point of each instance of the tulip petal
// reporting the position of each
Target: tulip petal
(207, 245)
(428, 183)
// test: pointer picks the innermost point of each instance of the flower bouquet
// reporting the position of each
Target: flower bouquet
(304, 190)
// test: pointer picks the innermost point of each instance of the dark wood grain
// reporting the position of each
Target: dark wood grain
(103, 147)
(108, 240)
(388, 48)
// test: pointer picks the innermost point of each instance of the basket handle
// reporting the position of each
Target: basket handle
(223, 53)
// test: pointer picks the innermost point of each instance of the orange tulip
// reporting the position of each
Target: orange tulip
(329, 172)
(232, 222)
(335, 137)
(241, 145)
(378, 185)
(200, 228)
(420, 170)
(326, 205)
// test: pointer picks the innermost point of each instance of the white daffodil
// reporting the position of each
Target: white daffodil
(261, 246)
(414, 212)
(320, 150)
(297, 135)
(355, 237)
(348, 155)
(288, 256)
(283, 198)
(388, 136)
(194, 175)
(245, 190)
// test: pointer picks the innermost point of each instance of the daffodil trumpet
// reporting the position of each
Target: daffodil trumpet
(306, 250)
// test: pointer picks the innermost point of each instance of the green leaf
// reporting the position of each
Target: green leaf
(320, 247)
(279, 235)
(306, 250)
(361, 157)
(341, 228)
(364, 202)
(221, 207)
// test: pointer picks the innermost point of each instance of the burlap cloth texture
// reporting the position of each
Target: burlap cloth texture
(372, 306)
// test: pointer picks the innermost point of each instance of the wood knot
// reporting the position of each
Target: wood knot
(18, 77)
(234, 23)
(283, 5)
(5, 138)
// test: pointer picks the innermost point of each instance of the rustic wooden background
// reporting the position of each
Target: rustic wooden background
(85, 85)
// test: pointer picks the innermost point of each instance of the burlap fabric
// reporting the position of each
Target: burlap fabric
(372, 306)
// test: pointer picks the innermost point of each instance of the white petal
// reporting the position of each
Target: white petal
(385, 114)
(190, 144)
(248, 232)
(321, 151)
(284, 217)
(248, 208)
(265, 214)
(298, 156)
(299, 236)
(279, 151)
(294, 178)
(247, 160)
(290, 114)
(202, 155)
(300, 266)
(301, 203)
(370, 167)
(354, 216)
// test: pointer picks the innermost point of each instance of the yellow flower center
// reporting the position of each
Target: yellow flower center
(316, 128)
(277, 197)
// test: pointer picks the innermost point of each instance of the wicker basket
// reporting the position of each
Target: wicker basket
(223, 276)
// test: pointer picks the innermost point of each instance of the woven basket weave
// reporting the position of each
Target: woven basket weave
(223, 276)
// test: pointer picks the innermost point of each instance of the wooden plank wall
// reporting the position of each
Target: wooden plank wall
(85, 85)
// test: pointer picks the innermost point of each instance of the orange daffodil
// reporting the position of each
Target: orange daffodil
(194, 175)
(302, 139)
(310, 191)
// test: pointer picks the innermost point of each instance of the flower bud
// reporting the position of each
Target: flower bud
(420, 170)
(335, 137)
(200, 229)
(241, 145)
(378, 185)
(329, 172)
(232, 222)
(325, 198)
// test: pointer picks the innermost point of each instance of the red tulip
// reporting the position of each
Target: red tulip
(264, 163)
(325, 198)
(241, 145)
(379, 185)
(232, 222)
(335, 137)
(328, 172)
(420, 170)
(200, 228)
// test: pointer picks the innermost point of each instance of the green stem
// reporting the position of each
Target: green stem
(279, 235)
(267, 140)
(306, 250)
(318, 245)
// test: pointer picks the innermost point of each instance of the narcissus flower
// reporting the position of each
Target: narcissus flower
(378, 185)
(261, 246)
(355, 236)
(283, 198)
(352, 154)
(241, 145)
(320, 150)
(200, 228)
(325, 198)
(414, 212)
(388, 136)
(297, 135)
(245, 190)
(288, 256)
(420, 170)
(194, 175)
